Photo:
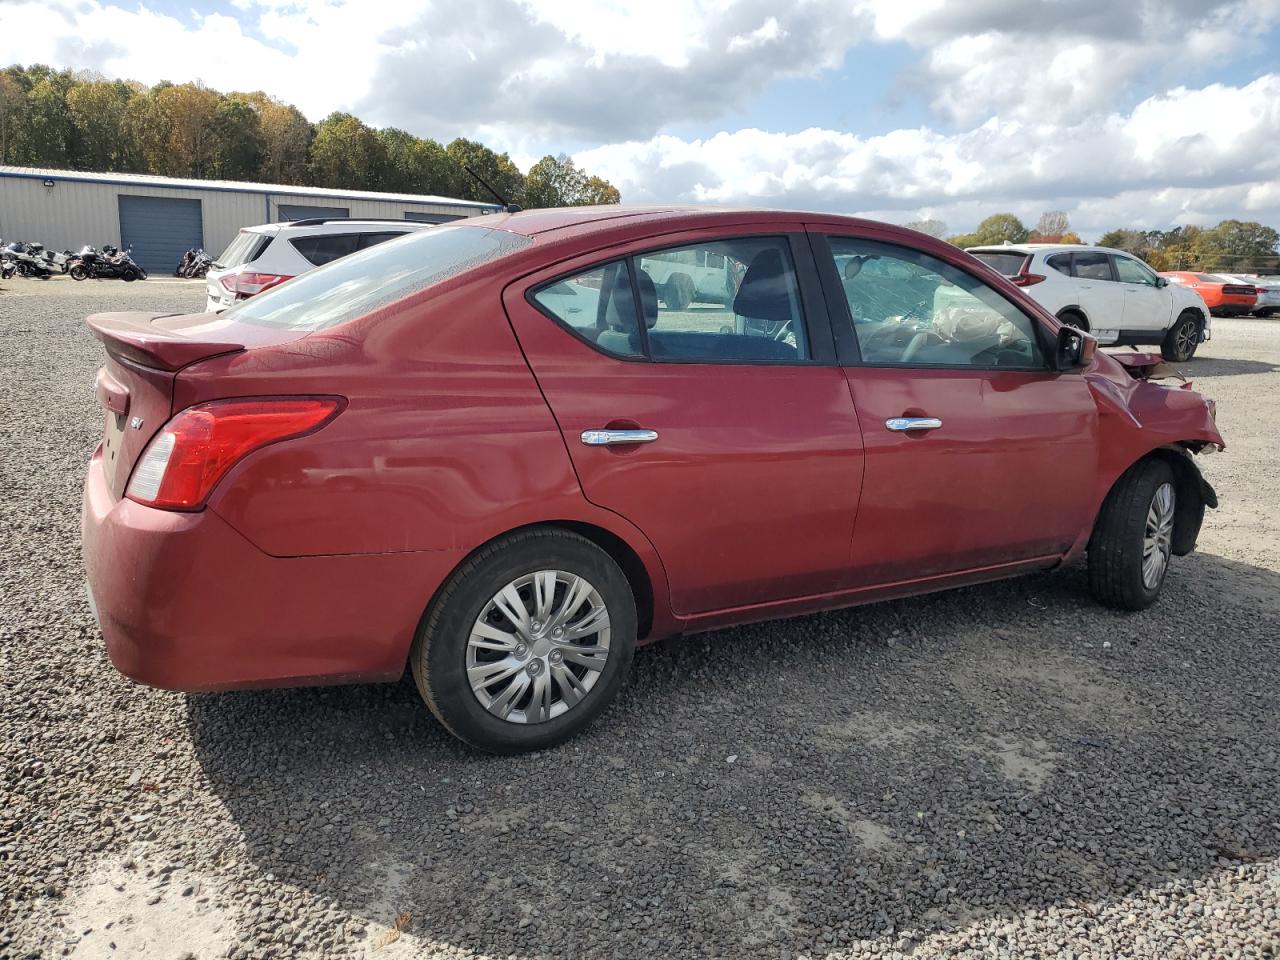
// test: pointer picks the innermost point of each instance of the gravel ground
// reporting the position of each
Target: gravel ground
(1002, 771)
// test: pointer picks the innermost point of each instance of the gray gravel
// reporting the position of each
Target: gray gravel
(1000, 771)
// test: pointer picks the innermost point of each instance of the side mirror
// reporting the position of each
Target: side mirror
(1162, 281)
(1075, 349)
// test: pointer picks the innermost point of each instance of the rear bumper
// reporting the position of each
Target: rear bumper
(186, 603)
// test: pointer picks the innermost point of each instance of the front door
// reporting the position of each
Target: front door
(1147, 304)
(717, 422)
(1100, 295)
(977, 454)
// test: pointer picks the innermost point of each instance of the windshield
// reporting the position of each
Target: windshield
(362, 282)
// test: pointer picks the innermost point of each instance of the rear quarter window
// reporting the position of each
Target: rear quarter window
(364, 281)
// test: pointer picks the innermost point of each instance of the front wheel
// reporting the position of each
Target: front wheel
(1181, 341)
(527, 643)
(78, 272)
(1133, 539)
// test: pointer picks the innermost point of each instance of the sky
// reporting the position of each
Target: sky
(1143, 113)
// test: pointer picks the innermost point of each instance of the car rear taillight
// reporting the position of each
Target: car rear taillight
(194, 450)
(245, 285)
(1027, 279)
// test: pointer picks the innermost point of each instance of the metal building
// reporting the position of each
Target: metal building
(160, 217)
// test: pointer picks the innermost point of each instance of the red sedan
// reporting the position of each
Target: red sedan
(505, 452)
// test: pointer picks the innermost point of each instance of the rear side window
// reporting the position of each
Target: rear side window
(722, 301)
(327, 247)
(1007, 264)
(1093, 266)
(245, 248)
(363, 282)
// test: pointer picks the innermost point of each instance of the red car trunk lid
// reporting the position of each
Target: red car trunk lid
(144, 353)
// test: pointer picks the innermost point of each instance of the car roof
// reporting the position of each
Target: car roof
(1033, 248)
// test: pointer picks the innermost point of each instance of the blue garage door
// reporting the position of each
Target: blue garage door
(160, 230)
(290, 211)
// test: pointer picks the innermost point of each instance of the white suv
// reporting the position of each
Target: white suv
(259, 258)
(1110, 293)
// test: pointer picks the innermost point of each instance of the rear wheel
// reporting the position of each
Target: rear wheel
(1183, 337)
(1133, 539)
(527, 643)
(129, 276)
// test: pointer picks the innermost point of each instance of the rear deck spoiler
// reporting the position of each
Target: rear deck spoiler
(134, 336)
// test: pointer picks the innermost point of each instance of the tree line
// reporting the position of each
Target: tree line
(1235, 246)
(82, 121)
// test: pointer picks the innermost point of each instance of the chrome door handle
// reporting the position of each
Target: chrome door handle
(608, 438)
(903, 424)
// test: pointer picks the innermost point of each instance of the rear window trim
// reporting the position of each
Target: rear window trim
(789, 240)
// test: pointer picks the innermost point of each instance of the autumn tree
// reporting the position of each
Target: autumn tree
(934, 228)
(286, 139)
(1052, 223)
(347, 154)
(97, 109)
(189, 110)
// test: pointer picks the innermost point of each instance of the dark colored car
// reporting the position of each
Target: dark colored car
(504, 454)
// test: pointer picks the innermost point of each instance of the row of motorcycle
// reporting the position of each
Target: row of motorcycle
(194, 263)
(34, 261)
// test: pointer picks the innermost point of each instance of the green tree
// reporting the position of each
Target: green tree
(598, 191)
(347, 154)
(415, 165)
(1131, 241)
(49, 128)
(1237, 245)
(495, 168)
(238, 143)
(997, 228)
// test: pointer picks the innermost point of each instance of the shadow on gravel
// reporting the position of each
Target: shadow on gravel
(1221, 367)
(886, 772)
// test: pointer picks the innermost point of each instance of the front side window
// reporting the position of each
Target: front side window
(1092, 266)
(731, 300)
(913, 309)
(1131, 271)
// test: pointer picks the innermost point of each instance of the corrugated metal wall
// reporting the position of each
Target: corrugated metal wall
(72, 213)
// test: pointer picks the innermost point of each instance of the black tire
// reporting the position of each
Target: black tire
(678, 291)
(129, 276)
(1116, 547)
(1074, 318)
(78, 272)
(1183, 338)
(438, 659)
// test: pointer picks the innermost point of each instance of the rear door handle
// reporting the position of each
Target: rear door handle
(609, 438)
(903, 424)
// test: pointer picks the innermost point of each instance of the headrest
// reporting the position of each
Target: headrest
(648, 298)
(763, 294)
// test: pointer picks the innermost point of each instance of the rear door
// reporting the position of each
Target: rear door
(1100, 296)
(745, 467)
(977, 454)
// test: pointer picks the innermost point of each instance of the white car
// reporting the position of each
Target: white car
(1110, 293)
(259, 258)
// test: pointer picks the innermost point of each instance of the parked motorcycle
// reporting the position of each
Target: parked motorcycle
(110, 264)
(29, 263)
(194, 263)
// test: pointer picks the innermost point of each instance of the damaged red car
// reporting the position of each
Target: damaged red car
(505, 452)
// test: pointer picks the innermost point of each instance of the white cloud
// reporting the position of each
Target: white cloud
(1154, 165)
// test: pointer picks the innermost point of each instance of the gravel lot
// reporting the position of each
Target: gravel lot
(1004, 771)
